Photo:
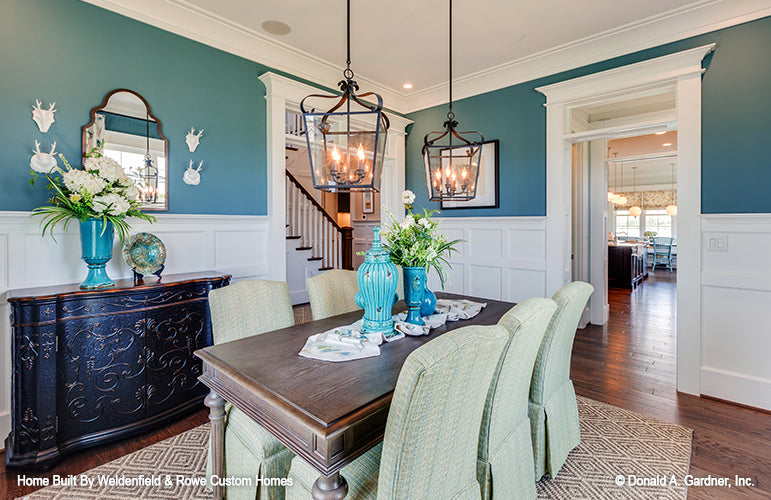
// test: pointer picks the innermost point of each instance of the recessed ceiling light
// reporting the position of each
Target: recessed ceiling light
(661, 133)
(276, 27)
(667, 144)
(407, 85)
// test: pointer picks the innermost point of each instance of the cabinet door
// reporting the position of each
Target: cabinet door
(174, 332)
(101, 379)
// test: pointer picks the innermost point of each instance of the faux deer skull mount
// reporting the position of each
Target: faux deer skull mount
(43, 117)
(192, 139)
(192, 175)
(42, 162)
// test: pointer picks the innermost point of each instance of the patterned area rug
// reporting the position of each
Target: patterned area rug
(615, 442)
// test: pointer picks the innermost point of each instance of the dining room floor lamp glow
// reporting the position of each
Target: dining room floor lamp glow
(452, 158)
(346, 144)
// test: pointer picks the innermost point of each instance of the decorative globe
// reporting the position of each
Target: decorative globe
(671, 210)
(635, 211)
(622, 200)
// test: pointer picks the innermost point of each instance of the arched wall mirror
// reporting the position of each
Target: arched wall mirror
(123, 128)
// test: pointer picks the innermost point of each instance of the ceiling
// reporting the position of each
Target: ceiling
(496, 43)
(650, 171)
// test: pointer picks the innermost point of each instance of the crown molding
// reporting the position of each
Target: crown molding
(182, 18)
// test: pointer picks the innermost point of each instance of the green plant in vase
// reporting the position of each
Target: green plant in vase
(100, 197)
(417, 245)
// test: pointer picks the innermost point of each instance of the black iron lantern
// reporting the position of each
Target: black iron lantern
(346, 144)
(452, 158)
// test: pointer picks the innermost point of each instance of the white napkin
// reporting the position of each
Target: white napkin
(342, 344)
(430, 322)
(459, 309)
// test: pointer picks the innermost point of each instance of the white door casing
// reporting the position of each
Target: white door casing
(682, 71)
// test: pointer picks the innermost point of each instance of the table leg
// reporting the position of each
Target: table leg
(333, 487)
(216, 438)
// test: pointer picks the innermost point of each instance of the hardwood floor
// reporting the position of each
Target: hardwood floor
(630, 363)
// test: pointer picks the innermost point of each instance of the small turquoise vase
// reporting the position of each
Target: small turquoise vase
(96, 237)
(414, 285)
(428, 306)
(378, 279)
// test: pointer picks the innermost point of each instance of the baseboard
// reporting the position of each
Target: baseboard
(736, 387)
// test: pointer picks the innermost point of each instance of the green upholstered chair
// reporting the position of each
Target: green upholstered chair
(332, 292)
(553, 410)
(431, 437)
(240, 310)
(505, 454)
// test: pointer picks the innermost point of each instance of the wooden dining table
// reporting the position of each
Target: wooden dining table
(328, 413)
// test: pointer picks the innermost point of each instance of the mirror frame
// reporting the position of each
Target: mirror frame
(100, 107)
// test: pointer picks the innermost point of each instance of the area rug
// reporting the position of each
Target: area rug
(615, 443)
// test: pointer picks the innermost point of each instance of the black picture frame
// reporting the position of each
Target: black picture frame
(488, 185)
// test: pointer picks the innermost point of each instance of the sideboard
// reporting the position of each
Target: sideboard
(91, 366)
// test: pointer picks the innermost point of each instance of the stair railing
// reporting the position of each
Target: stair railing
(317, 231)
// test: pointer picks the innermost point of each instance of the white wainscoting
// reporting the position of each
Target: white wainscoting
(736, 304)
(502, 258)
(237, 245)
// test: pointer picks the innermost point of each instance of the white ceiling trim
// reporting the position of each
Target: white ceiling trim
(182, 18)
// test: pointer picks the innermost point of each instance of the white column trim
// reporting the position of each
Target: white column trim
(682, 71)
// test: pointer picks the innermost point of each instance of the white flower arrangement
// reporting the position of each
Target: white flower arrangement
(100, 190)
(416, 241)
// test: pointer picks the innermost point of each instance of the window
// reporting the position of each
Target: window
(626, 225)
(658, 221)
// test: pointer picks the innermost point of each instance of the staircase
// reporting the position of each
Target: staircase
(315, 241)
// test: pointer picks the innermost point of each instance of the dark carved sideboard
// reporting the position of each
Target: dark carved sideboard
(91, 366)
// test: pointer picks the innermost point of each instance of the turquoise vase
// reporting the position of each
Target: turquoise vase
(378, 279)
(428, 306)
(414, 285)
(96, 237)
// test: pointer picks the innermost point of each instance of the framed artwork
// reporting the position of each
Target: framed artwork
(487, 183)
(367, 205)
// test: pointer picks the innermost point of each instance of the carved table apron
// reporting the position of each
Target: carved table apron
(91, 366)
(327, 413)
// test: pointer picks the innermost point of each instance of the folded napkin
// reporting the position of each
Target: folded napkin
(430, 322)
(459, 309)
(342, 344)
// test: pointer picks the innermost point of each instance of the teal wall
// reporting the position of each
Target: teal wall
(76, 53)
(736, 128)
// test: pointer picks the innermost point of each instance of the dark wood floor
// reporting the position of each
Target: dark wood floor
(630, 363)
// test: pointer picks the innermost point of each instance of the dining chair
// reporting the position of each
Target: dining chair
(553, 410)
(243, 309)
(505, 452)
(431, 435)
(332, 292)
(662, 251)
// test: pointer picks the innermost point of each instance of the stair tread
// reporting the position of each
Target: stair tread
(304, 248)
(315, 258)
(293, 237)
(326, 268)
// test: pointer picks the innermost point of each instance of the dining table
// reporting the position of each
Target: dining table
(327, 413)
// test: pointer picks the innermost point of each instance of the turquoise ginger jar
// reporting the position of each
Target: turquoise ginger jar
(378, 279)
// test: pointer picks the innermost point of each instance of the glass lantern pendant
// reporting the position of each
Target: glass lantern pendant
(346, 144)
(149, 172)
(452, 158)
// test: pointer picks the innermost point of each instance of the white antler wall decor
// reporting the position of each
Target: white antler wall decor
(192, 175)
(42, 162)
(192, 139)
(43, 117)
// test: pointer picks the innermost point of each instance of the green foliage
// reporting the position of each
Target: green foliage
(416, 242)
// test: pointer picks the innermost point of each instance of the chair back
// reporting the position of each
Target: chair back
(552, 366)
(432, 432)
(507, 399)
(332, 292)
(249, 307)
(662, 245)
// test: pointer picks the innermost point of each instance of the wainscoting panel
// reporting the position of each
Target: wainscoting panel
(237, 245)
(736, 300)
(502, 258)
